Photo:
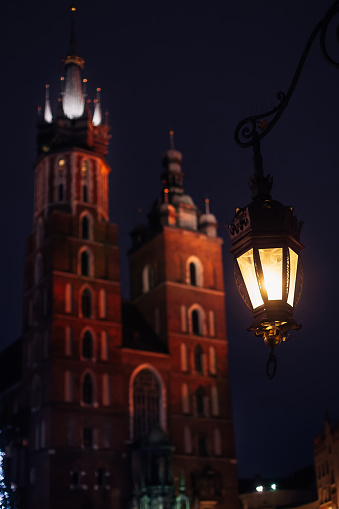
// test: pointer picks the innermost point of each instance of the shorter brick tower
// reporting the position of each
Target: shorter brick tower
(177, 286)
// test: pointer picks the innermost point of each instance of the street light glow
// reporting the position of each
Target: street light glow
(259, 488)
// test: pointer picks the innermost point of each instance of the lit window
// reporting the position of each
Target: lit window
(61, 167)
(147, 278)
(194, 271)
(84, 168)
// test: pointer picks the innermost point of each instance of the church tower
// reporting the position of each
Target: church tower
(177, 285)
(72, 306)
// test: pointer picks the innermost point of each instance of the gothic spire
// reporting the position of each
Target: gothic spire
(73, 100)
(97, 116)
(48, 117)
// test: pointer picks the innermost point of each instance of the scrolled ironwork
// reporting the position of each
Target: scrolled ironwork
(252, 129)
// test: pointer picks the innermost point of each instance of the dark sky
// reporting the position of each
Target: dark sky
(197, 67)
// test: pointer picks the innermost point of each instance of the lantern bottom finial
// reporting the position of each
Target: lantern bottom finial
(274, 332)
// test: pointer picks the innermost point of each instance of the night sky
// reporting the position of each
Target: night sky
(197, 68)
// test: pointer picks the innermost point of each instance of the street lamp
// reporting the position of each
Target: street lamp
(265, 234)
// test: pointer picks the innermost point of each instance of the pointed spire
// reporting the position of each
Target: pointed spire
(73, 100)
(48, 117)
(72, 45)
(97, 117)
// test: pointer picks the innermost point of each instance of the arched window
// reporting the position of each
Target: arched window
(194, 271)
(198, 359)
(196, 319)
(193, 276)
(84, 263)
(147, 278)
(200, 401)
(84, 168)
(84, 193)
(87, 345)
(86, 303)
(61, 167)
(85, 228)
(88, 389)
(195, 322)
(146, 399)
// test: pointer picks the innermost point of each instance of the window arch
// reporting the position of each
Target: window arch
(85, 262)
(194, 271)
(200, 401)
(198, 359)
(147, 278)
(86, 227)
(87, 350)
(147, 401)
(86, 303)
(197, 320)
(88, 389)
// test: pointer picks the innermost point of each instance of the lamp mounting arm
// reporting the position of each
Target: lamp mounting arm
(252, 129)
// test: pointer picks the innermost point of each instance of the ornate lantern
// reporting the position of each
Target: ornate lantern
(268, 270)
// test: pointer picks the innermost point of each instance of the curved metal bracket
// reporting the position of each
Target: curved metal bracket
(251, 130)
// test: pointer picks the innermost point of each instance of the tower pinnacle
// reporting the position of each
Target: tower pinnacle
(48, 117)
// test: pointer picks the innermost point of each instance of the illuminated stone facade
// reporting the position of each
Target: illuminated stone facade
(106, 385)
(326, 459)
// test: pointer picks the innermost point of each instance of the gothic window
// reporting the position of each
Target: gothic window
(198, 359)
(61, 167)
(199, 401)
(194, 271)
(87, 437)
(88, 389)
(86, 303)
(85, 228)
(195, 322)
(84, 193)
(84, 263)
(146, 398)
(84, 168)
(193, 277)
(202, 445)
(87, 345)
(147, 278)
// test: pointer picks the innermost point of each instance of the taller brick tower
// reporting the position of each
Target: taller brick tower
(118, 403)
(177, 284)
(72, 307)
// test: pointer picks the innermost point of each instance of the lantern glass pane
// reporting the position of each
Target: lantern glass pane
(293, 276)
(247, 269)
(272, 263)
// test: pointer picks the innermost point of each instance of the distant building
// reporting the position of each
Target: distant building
(326, 459)
(106, 403)
(296, 491)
